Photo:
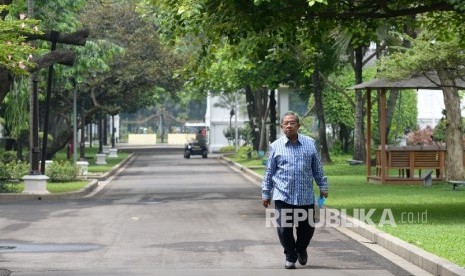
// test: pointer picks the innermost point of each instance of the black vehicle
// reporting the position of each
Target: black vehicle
(195, 148)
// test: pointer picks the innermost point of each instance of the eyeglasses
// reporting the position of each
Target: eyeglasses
(291, 123)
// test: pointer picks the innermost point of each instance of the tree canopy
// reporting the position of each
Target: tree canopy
(15, 53)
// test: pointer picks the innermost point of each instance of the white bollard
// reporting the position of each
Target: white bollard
(35, 184)
(83, 167)
(113, 153)
(101, 159)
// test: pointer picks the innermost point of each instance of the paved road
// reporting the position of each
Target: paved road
(166, 215)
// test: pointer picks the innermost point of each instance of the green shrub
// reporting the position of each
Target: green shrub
(14, 170)
(227, 149)
(62, 171)
(4, 173)
(17, 169)
(9, 156)
(242, 151)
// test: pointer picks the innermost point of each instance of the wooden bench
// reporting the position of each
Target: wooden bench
(456, 183)
(399, 160)
(411, 163)
(426, 159)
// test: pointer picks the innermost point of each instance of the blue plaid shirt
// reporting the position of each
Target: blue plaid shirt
(291, 169)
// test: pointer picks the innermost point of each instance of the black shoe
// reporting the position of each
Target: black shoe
(289, 265)
(302, 258)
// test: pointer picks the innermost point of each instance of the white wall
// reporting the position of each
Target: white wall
(430, 105)
(283, 100)
(217, 120)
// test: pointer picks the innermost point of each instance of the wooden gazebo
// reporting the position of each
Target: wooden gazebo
(405, 160)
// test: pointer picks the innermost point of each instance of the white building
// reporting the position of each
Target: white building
(218, 119)
(430, 104)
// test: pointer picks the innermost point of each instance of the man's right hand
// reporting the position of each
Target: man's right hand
(266, 202)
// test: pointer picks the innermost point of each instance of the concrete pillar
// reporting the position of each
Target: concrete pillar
(83, 167)
(113, 153)
(101, 159)
(35, 184)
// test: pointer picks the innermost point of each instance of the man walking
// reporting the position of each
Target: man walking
(293, 163)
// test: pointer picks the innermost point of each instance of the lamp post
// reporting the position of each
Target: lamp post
(82, 143)
(74, 124)
(231, 114)
(100, 155)
(82, 163)
(34, 136)
(113, 130)
(113, 150)
(35, 182)
(100, 132)
(236, 134)
(54, 38)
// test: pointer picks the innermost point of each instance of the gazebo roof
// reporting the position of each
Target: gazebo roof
(424, 81)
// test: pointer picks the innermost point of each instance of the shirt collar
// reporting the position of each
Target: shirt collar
(289, 141)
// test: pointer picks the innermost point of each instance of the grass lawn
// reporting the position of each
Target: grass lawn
(64, 187)
(431, 218)
(90, 156)
(53, 188)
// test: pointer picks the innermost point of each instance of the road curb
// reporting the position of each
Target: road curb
(60, 196)
(248, 171)
(113, 170)
(415, 255)
(93, 184)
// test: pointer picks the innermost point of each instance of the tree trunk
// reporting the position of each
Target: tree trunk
(19, 148)
(454, 143)
(249, 96)
(273, 116)
(325, 158)
(105, 130)
(390, 109)
(261, 110)
(344, 137)
(359, 139)
(61, 133)
(30, 8)
(5, 83)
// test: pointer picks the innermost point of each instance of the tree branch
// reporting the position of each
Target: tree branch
(365, 12)
(377, 51)
(77, 38)
(338, 88)
(94, 98)
(61, 56)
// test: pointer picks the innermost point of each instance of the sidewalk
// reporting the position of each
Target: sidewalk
(431, 263)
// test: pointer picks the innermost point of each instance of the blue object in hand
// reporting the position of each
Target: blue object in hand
(321, 201)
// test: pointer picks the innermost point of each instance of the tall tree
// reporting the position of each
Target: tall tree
(442, 33)
(121, 67)
(241, 21)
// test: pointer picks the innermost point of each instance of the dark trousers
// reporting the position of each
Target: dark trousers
(304, 228)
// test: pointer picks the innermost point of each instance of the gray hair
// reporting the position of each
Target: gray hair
(290, 113)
